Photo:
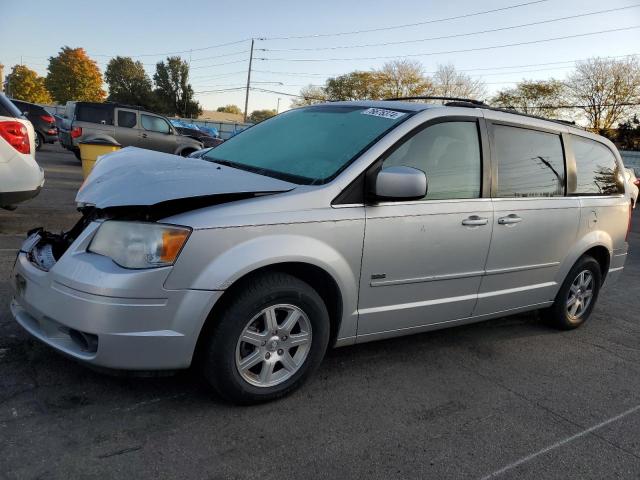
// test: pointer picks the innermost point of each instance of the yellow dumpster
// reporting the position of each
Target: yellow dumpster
(90, 150)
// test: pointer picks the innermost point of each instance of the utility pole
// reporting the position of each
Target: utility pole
(246, 98)
(278, 107)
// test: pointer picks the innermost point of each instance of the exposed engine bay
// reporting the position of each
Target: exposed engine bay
(44, 248)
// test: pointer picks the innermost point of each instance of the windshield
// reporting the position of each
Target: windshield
(308, 145)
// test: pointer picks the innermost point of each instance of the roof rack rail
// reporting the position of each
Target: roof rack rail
(432, 97)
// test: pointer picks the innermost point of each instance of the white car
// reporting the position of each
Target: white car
(21, 178)
(633, 183)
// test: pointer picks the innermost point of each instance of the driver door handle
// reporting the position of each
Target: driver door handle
(509, 219)
(144, 135)
(474, 221)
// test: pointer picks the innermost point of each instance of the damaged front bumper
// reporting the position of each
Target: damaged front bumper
(87, 307)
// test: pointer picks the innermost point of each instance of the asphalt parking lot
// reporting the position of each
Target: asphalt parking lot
(508, 398)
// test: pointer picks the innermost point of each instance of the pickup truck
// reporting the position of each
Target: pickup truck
(129, 126)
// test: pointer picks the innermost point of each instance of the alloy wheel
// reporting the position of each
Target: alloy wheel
(580, 294)
(273, 345)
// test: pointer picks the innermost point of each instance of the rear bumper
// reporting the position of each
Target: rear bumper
(88, 308)
(12, 198)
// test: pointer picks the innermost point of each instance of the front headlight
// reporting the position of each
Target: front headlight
(139, 245)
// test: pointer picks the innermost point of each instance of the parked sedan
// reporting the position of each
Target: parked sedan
(43, 122)
(206, 140)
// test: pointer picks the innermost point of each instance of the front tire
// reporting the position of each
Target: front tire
(578, 295)
(267, 341)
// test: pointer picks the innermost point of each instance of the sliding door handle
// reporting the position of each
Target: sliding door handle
(509, 219)
(474, 221)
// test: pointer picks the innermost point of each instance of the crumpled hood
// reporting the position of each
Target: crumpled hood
(134, 176)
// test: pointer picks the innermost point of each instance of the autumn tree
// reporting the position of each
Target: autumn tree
(230, 109)
(448, 82)
(129, 83)
(25, 84)
(258, 116)
(355, 86)
(310, 95)
(404, 78)
(605, 90)
(74, 76)
(173, 91)
(533, 97)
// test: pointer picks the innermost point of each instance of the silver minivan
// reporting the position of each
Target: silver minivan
(327, 225)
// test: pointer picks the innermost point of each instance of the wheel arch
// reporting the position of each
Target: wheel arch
(597, 244)
(318, 278)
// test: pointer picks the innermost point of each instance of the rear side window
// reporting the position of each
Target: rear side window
(530, 163)
(8, 109)
(94, 113)
(449, 153)
(23, 107)
(596, 168)
(154, 124)
(126, 119)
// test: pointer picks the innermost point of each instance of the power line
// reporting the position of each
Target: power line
(502, 67)
(443, 37)
(219, 64)
(477, 49)
(208, 77)
(406, 25)
(179, 51)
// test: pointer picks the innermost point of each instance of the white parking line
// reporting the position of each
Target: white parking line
(559, 444)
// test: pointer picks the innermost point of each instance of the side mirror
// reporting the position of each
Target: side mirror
(400, 183)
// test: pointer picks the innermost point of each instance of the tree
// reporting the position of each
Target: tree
(173, 91)
(404, 78)
(230, 109)
(450, 83)
(310, 95)
(355, 86)
(628, 134)
(606, 90)
(258, 116)
(74, 76)
(532, 97)
(25, 84)
(129, 83)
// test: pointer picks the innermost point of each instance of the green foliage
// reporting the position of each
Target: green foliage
(532, 97)
(258, 116)
(25, 84)
(74, 76)
(355, 86)
(129, 83)
(628, 134)
(230, 109)
(173, 92)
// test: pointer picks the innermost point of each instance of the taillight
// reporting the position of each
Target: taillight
(16, 135)
(626, 237)
(76, 132)
(47, 118)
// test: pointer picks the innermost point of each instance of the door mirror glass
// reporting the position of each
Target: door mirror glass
(400, 183)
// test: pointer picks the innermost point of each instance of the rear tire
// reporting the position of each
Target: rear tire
(578, 295)
(39, 141)
(267, 341)
(76, 152)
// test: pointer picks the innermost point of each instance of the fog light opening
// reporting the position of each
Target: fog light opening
(86, 341)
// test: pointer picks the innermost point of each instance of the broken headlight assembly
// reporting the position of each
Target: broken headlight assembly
(139, 245)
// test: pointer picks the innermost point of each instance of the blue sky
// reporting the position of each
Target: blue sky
(146, 30)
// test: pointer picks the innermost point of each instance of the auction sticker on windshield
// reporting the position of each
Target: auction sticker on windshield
(381, 112)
